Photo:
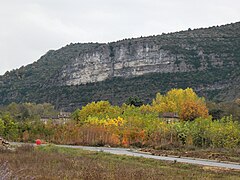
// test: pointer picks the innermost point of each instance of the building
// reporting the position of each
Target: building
(62, 118)
(169, 116)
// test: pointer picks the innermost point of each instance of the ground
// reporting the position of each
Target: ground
(52, 162)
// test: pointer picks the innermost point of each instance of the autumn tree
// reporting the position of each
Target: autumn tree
(184, 102)
(193, 109)
(99, 109)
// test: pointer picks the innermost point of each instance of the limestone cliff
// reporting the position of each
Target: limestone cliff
(127, 61)
(207, 60)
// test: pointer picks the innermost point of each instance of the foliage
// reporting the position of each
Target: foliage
(100, 123)
(193, 109)
(221, 109)
(8, 127)
(223, 133)
(26, 111)
(99, 109)
(76, 115)
(184, 102)
(135, 101)
(2, 127)
(105, 122)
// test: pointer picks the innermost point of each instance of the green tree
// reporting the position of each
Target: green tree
(11, 128)
(135, 101)
(2, 127)
(76, 115)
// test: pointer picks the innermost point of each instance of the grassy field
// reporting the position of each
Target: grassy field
(50, 162)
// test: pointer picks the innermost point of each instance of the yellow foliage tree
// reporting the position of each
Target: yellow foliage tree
(185, 102)
(145, 109)
(99, 109)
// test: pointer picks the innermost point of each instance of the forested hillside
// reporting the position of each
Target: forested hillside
(206, 59)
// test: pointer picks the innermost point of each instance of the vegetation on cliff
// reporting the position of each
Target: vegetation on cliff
(212, 53)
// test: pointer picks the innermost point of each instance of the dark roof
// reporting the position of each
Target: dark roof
(49, 117)
(169, 115)
(55, 117)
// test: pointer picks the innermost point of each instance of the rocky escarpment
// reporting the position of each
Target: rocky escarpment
(206, 59)
(161, 54)
(115, 60)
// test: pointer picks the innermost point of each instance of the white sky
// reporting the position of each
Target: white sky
(29, 28)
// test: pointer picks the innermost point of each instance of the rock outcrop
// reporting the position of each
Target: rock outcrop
(180, 52)
(207, 60)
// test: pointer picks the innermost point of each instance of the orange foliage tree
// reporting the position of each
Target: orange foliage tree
(193, 109)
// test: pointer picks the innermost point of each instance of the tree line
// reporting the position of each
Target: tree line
(131, 124)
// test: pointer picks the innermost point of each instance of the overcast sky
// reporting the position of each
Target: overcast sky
(29, 28)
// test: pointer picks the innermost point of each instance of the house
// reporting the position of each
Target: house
(64, 115)
(62, 118)
(169, 116)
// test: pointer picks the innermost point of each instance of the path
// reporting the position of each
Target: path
(129, 152)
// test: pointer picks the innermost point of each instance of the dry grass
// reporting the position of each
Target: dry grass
(62, 163)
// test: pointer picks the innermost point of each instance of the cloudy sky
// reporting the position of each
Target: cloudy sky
(29, 28)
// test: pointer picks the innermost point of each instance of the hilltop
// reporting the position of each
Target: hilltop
(206, 59)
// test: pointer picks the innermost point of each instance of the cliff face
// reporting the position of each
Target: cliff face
(186, 51)
(207, 60)
(119, 61)
(88, 67)
(130, 59)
